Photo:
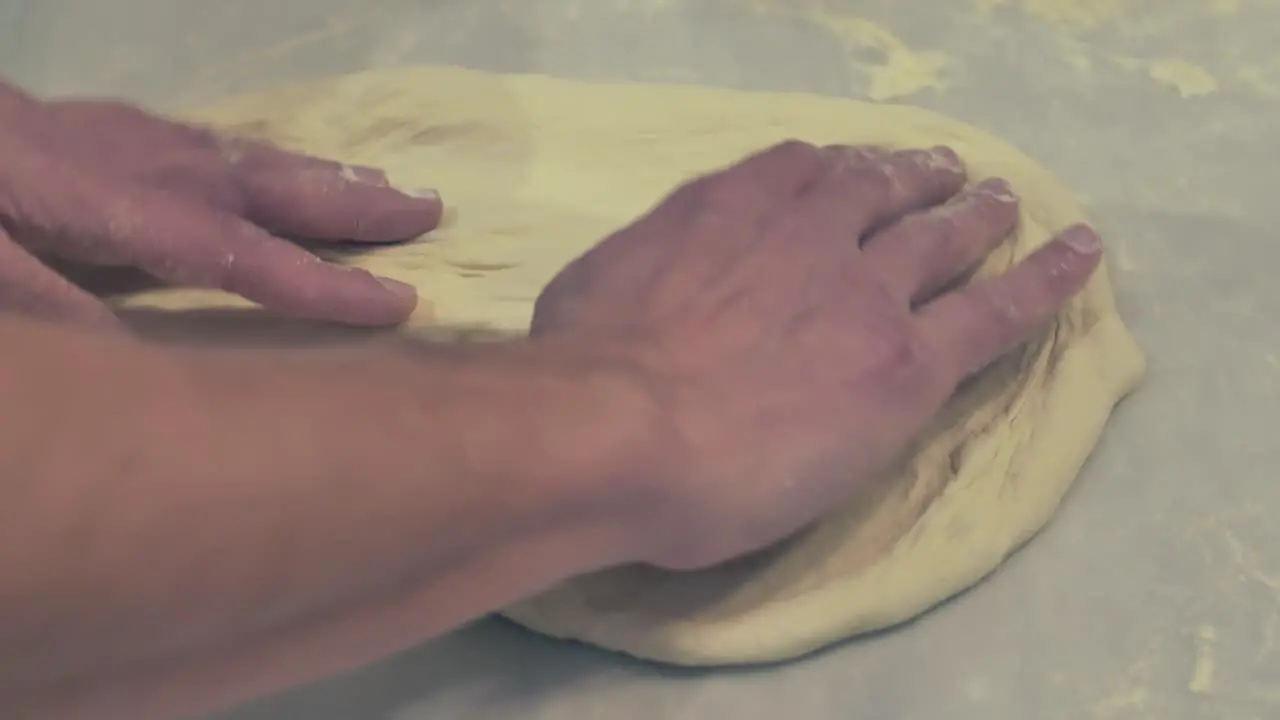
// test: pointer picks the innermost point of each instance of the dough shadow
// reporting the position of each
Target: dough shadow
(240, 327)
(497, 668)
(494, 661)
(111, 282)
(251, 327)
(248, 327)
(618, 659)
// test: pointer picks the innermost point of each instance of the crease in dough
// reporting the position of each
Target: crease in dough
(538, 169)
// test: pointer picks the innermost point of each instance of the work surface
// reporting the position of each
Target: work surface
(1156, 591)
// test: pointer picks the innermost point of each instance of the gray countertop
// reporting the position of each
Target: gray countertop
(1156, 591)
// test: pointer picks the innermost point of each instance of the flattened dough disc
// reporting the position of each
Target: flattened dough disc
(539, 169)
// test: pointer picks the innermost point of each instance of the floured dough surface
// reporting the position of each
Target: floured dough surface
(536, 170)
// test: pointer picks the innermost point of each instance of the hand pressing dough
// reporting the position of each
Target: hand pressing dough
(537, 170)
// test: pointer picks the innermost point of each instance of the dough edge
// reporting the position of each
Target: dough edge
(925, 569)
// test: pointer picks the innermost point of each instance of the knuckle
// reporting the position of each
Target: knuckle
(913, 372)
(993, 216)
(864, 167)
(198, 136)
(209, 265)
(874, 182)
(997, 191)
(237, 153)
(917, 160)
(691, 194)
(122, 217)
(725, 191)
(746, 180)
(321, 182)
(795, 152)
(939, 159)
(1000, 310)
(894, 351)
(941, 234)
(705, 225)
(948, 221)
(553, 313)
(807, 228)
(854, 156)
(943, 157)
(903, 367)
(903, 352)
(855, 153)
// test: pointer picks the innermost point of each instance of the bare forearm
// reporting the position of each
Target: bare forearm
(163, 512)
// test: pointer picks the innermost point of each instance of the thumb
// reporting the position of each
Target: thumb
(29, 287)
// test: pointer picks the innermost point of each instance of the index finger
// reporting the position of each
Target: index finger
(191, 245)
(316, 199)
(29, 286)
(973, 326)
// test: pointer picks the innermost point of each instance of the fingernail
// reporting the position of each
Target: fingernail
(1082, 239)
(924, 158)
(400, 223)
(397, 288)
(364, 174)
(423, 193)
(946, 157)
(997, 189)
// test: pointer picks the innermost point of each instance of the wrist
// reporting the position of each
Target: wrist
(562, 440)
(593, 439)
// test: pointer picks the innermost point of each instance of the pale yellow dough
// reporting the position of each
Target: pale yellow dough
(538, 169)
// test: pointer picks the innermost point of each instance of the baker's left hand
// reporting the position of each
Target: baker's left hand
(108, 184)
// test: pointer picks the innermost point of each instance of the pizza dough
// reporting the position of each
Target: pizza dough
(538, 169)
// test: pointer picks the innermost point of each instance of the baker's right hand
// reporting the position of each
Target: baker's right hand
(795, 321)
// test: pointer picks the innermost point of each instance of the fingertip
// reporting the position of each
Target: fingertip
(366, 174)
(424, 194)
(1078, 249)
(1064, 264)
(1082, 239)
(997, 189)
(368, 300)
(341, 203)
(982, 320)
(943, 157)
(938, 171)
(403, 291)
(939, 167)
(401, 216)
(993, 202)
(391, 314)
